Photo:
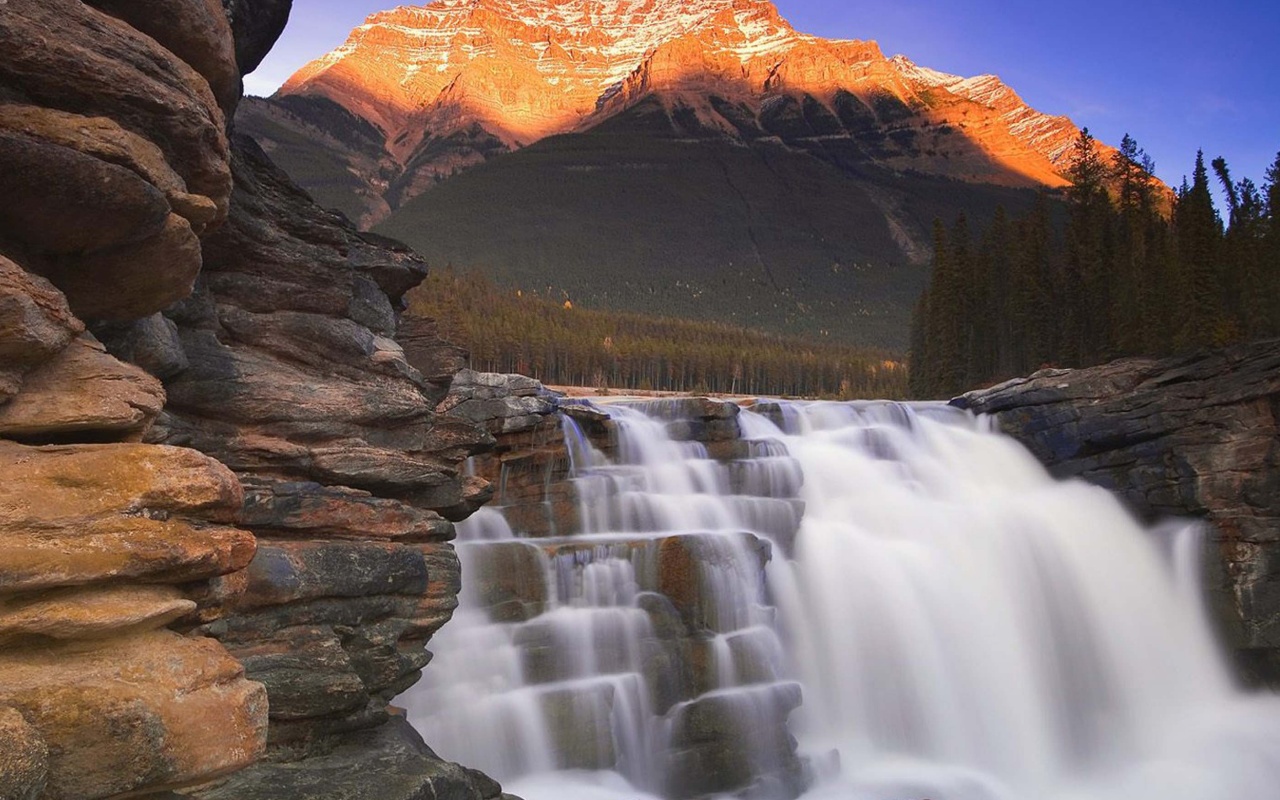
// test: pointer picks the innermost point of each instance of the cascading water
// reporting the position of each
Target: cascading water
(962, 627)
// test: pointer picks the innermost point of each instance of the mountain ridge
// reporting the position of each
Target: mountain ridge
(522, 70)
(461, 125)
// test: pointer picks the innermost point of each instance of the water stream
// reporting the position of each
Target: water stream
(867, 602)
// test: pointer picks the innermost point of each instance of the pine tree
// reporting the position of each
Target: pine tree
(920, 377)
(1269, 272)
(1087, 294)
(1199, 233)
(1132, 294)
(1035, 321)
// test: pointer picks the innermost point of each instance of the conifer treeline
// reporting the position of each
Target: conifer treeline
(1135, 272)
(509, 331)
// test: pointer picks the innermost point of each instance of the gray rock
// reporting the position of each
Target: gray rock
(388, 763)
(151, 343)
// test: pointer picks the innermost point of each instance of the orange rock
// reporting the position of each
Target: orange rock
(82, 514)
(83, 391)
(149, 710)
(93, 613)
(24, 757)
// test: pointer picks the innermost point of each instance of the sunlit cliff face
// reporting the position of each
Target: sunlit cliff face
(527, 69)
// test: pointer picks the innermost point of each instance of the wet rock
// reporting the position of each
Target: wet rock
(1189, 436)
(726, 742)
(687, 567)
(578, 722)
(152, 708)
(508, 578)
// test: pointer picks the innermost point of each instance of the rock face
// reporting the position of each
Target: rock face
(1199, 436)
(114, 161)
(230, 482)
(452, 82)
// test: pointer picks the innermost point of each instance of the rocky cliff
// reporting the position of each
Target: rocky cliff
(1197, 435)
(226, 494)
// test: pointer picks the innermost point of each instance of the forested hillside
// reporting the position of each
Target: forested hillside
(1134, 273)
(507, 330)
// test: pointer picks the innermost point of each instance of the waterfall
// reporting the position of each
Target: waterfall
(864, 601)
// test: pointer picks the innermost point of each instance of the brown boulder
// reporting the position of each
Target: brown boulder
(83, 392)
(35, 324)
(54, 199)
(147, 710)
(82, 514)
(91, 613)
(126, 283)
(104, 139)
(197, 31)
(65, 55)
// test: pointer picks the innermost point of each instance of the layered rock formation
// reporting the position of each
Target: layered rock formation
(223, 530)
(1197, 435)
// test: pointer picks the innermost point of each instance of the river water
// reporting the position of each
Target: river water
(871, 601)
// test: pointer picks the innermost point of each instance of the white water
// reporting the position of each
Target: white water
(963, 627)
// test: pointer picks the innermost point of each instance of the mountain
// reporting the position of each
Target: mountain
(694, 157)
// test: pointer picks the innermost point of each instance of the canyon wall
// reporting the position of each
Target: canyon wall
(1197, 435)
(227, 496)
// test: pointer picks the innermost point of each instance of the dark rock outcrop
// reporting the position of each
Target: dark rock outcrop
(1197, 435)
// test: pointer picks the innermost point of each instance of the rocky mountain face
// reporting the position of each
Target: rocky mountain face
(440, 78)
(227, 493)
(1192, 436)
(801, 168)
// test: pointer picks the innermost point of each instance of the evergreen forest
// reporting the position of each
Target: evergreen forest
(506, 330)
(1135, 270)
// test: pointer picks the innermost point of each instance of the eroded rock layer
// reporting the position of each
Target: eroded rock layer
(1197, 435)
(224, 526)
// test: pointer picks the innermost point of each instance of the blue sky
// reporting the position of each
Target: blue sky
(1177, 75)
